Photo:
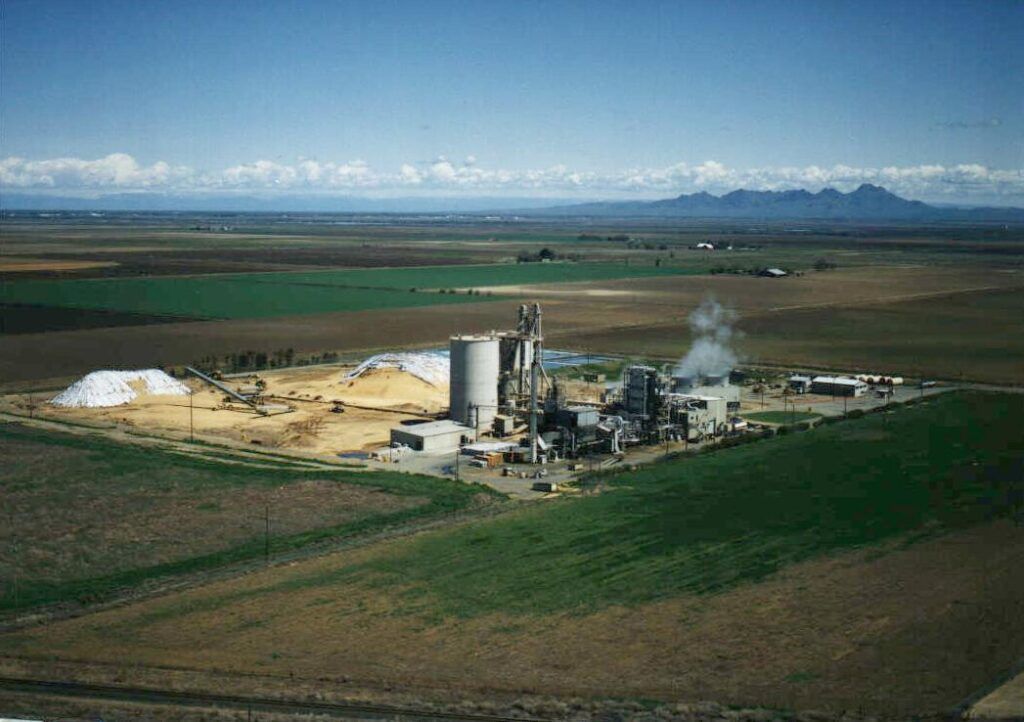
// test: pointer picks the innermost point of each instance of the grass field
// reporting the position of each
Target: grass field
(780, 417)
(84, 516)
(730, 517)
(872, 562)
(287, 294)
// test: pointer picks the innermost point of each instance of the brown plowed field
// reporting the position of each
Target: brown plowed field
(892, 319)
(911, 630)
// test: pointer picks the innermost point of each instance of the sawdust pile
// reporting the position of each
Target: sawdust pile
(114, 388)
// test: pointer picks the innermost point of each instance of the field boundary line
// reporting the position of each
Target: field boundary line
(147, 695)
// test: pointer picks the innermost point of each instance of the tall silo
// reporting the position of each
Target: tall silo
(473, 383)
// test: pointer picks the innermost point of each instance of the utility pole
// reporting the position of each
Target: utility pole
(456, 464)
(191, 432)
(266, 536)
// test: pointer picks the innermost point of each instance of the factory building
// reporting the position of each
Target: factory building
(800, 384)
(717, 386)
(702, 417)
(437, 436)
(838, 386)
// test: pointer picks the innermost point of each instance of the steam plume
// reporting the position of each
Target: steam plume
(710, 354)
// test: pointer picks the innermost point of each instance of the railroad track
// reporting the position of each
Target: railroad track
(241, 703)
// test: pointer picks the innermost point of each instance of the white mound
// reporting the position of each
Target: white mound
(431, 368)
(112, 388)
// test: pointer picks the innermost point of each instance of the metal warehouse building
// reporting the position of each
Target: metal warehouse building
(838, 386)
(442, 435)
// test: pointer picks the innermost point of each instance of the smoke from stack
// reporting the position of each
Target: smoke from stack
(711, 353)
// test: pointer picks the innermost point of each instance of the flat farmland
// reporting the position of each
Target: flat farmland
(84, 516)
(893, 312)
(286, 294)
(792, 573)
(918, 320)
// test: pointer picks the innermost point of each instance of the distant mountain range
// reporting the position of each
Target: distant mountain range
(869, 202)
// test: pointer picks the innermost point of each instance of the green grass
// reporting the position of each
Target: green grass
(705, 524)
(123, 468)
(263, 295)
(780, 417)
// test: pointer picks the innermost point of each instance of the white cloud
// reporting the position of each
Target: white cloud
(117, 170)
(442, 175)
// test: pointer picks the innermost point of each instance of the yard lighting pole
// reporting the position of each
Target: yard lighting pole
(266, 535)
(191, 433)
(456, 464)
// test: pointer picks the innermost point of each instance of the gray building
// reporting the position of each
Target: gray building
(800, 384)
(838, 386)
(445, 435)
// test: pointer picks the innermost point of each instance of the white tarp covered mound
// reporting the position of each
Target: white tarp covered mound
(113, 388)
(432, 368)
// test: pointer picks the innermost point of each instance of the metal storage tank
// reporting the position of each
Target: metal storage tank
(473, 383)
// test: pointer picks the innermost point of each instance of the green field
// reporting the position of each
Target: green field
(705, 524)
(262, 295)
(85, 516)
(780, 417)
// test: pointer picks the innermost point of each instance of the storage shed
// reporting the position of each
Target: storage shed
(838, 386)
(445, 435)
(800, 384)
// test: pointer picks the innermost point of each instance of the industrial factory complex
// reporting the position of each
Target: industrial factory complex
(501, 391)
(495, 403)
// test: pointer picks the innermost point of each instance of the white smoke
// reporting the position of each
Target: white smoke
(711, 353)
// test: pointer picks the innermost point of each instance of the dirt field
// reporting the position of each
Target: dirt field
(785, 321)
(861, 631)
(1005, 703)
(311, 427)
(14, 264)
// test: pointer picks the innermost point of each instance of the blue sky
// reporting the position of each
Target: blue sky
(568, 99)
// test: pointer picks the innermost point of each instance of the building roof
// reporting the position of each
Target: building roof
(775, 272)
(434, 428)
(837, 380)
(800, 377)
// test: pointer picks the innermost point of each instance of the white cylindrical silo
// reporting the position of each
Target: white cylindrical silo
(473, 383)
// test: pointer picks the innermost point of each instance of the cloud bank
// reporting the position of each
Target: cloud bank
(122, 173)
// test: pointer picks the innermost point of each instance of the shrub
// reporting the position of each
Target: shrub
(855, 414)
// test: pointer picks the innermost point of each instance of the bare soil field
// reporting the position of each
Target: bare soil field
(894, 315)
(23, 318)
(1004, 703)
(15, 264)
(896, 632)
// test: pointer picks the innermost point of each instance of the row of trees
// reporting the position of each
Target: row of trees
(260, 360)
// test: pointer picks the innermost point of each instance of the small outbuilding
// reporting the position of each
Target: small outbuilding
(773, 273)
(838, 386)
(800, 384)
(445, 435)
